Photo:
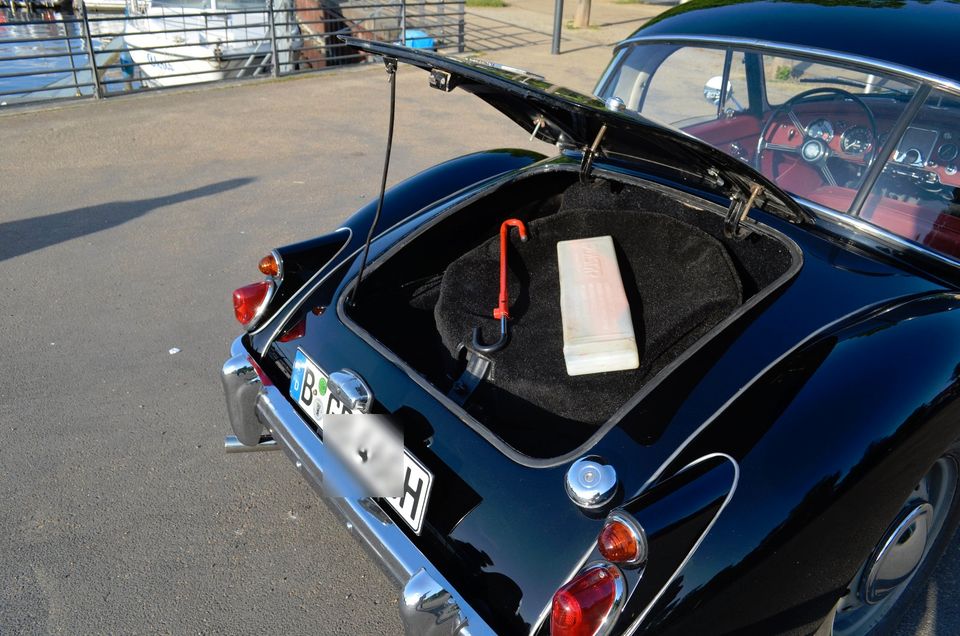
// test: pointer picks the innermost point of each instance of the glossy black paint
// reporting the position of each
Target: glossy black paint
(832, 397)
(909, 33)
(402, 201)
(675, 514)
(525, 538)
(301, 260)
(841, 429)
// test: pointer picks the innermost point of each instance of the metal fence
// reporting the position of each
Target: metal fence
(48, 56)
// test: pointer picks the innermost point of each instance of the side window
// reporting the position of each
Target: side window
(686, 88)
(918, 194)
(786, 77)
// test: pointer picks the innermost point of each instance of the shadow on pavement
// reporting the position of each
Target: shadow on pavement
(28, 235)
(490, 34)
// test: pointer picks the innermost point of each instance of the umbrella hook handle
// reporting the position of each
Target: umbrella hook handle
(502, 311)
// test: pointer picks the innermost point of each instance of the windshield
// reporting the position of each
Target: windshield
(814, 127)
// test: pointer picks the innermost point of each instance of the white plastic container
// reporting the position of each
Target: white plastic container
(597, 326)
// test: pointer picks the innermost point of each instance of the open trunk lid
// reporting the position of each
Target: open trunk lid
(574, 121)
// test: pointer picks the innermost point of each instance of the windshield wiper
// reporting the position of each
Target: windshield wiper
(843, 81)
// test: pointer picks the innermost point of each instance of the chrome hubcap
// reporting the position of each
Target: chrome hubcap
(901, 552)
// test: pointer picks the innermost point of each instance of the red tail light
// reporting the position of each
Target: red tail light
(250, 301)
(299, 330)
(622, 541)
(588, 603)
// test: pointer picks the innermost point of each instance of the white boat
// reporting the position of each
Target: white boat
(100, 6)
(177, 42)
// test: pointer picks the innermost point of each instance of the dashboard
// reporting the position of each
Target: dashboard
(928, 153)
(930, 149)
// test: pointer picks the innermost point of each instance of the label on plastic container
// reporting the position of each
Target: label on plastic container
(597, 326)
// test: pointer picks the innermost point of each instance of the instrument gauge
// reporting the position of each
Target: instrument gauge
(910, 157)
(948, 152)
(821, 129)
(856, 141)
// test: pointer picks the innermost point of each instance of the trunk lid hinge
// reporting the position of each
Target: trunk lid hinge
(713, 178)
(740, 206)
(586, 163)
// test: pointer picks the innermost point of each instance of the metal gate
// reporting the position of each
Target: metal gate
(47, 56)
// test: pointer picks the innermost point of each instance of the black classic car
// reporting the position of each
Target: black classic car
(696, 373)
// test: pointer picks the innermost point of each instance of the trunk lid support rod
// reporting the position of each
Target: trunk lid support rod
(391, 67)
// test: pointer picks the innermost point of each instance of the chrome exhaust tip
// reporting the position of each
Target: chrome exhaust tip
(233, 445)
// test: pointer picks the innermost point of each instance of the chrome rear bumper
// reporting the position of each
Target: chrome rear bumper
(428, 603)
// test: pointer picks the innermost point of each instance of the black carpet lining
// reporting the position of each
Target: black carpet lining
(681, 277)
(680, 282)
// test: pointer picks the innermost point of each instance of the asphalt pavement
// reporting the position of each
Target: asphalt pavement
(124, 227)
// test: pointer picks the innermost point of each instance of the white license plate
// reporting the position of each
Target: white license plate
(412, 505)
(308, 388)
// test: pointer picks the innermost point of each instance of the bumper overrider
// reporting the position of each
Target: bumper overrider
(258, 412)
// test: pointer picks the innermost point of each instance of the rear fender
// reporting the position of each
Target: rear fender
(830, 441)
(401, 202)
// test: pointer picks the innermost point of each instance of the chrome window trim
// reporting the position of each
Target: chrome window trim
(803, 51)
(820, 211)
(857, 224)
(605, 76)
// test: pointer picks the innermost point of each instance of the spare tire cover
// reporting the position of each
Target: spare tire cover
(679, 280)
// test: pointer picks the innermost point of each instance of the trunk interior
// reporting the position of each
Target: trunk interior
(682, 277)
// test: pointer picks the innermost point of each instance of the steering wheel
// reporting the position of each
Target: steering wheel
(812, 150)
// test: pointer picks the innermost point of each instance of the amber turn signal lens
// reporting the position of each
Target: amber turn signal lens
(269, 265)
(620, 543)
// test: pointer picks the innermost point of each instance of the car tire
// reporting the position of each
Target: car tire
(889, 580)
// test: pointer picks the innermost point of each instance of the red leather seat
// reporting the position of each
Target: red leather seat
(924, 223)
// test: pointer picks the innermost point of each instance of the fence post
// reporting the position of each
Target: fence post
(91, 54)
(462, 28)
(274, 53)
(73, 66)
(557, 26)
(403, 22)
